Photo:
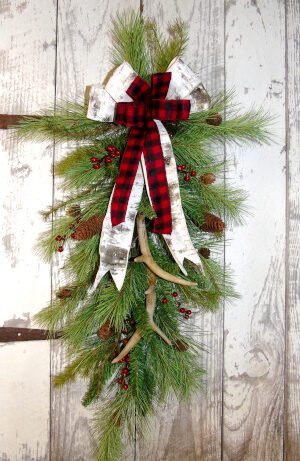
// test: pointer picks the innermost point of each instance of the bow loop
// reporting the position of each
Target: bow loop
(160, 85)
(139, 89)
(170, 110)
(131, 114)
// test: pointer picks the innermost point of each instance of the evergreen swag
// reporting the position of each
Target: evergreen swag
(95, 329)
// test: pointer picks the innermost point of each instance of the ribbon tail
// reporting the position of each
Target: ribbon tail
(115, 241)
(179, 241)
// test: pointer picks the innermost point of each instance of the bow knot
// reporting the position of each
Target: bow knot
(149, 104)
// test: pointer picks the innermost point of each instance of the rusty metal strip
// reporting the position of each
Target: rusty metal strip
(7, 120)
(11, 334)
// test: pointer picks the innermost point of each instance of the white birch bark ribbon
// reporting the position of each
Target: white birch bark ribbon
(115, 242)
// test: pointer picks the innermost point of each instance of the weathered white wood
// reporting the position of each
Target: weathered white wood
(27, 63)
(192, 430)
(292, 429)
(254, 325)
(82, 59)
(24, 401)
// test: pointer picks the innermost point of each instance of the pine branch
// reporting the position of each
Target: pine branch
(129, 42)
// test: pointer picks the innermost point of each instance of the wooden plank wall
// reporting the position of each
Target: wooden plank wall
(250, 410)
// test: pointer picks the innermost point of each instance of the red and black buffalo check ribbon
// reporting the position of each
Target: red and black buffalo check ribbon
(149, 103)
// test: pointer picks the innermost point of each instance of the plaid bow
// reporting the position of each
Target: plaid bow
(149, 103)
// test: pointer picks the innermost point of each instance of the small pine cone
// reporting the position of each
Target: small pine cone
(215, 120)
(205, 252)
(181, 345)
(208, 178)
(212, 223)
(104, 331)
(87, 229)
(74, 211)
(64, 292)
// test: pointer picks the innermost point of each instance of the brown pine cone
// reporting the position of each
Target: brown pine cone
(212, 223)
(74, 211)
(215, 120)
(208, 178)
(64, 292)
(87, 229)
(205, 252)
(181, 345)
(104, 331)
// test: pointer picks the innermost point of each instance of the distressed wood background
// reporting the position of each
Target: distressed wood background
(250, 412)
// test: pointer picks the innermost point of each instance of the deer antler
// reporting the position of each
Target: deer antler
(147, 258)
(150, 307)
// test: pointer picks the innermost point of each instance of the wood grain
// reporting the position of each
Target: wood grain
(82, 59)
(292, 430)
(192, 431)
(27, 63)
(255, 325)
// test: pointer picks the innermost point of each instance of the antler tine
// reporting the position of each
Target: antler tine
(135, 338)
(147, 258)
(150, 307)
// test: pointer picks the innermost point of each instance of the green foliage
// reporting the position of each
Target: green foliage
(157, 370)
(128, 28)
(162, 50)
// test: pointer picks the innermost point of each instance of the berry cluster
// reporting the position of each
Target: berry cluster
(61, 239)
(186, 313)
(187, 177)
(112, 152)
(123, 379)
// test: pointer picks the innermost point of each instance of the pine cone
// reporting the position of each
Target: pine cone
(205, 252)
(215, 120)
(64, 292)
(104, 331)
(208, 178)
(74, 211)
(212, 223)
(181, 345)
(87, 229)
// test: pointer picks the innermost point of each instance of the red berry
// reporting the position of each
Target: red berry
(117, 152)
(189, 312)
(183, 167)
(121, 361)
(125, 387)
(182, 310)
(164, 300)
(58, 238)
(125, 371)
(108, 160)
(60, 249)
(110, 148)
(96, 166)
(179, 168)
(187, 178)
(127, 359)
(175, 294)
(93, 159)
(194, 173)
(120, 380)
(113, 155)
(73, 236)
(187, 316)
